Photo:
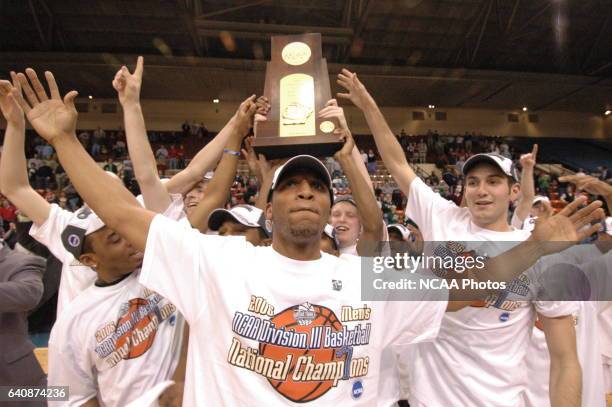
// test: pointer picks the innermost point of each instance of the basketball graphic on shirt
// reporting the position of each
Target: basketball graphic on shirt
(302, 318)
(140, 327)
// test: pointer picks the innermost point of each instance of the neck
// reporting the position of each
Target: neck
(109, 276)
(500, 225)
(298, 251)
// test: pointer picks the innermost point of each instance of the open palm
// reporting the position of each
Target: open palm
(569, 226)
(8, 105)
(51, 118)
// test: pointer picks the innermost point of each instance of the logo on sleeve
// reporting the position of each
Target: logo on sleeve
(357, 390)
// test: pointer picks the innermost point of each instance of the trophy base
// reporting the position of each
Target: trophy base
(275, 147)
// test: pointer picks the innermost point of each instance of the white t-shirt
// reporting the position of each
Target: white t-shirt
(588, 336)
(76, 277)
(266, 329)
(478, 357)
(114, 342)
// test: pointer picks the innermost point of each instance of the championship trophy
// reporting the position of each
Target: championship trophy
(297, 86)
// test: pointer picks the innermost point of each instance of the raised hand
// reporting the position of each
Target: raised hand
(357, 93)
(349, 143)
(569, 226)
(263, 108)
(128, 85)
(244, 116)
(529, 160)
(589, 184)
(9, 106)
(331, 111)
(51, 118)
(258, 165)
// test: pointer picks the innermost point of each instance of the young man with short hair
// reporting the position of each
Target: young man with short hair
(114, 339)
(491, 340)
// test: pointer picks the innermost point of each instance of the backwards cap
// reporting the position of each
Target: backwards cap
(84, 222)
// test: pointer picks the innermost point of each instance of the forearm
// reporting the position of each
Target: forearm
(264, 190)
(14, 182)
(388, 146)
(155, 196)
(218, 188)
(500, 269)
(565, 387)
(527, 194)
(115, 205)
(203, 161)
(370, 215)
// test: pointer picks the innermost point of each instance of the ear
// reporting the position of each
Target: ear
(89, 259)
(515, 191)
(268, 211)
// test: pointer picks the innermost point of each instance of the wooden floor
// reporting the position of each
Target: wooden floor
(41, 355)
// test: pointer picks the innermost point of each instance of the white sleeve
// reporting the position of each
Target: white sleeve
(182, 264)
(176, 208)
(69, 365)
(424, 204)
(555, 309)
(49, 233)
(516, 222)
(410, 322)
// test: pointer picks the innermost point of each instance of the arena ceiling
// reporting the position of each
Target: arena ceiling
(544, 54)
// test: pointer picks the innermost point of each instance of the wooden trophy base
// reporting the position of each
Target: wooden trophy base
(276, 147)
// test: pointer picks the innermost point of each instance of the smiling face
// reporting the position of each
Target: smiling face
(488, 194)
(299, 208)
(345, 220)
(194, 196)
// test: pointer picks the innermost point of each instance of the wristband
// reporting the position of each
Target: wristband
(232, 152)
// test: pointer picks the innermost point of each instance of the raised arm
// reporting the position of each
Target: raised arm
(127, 85)
(219, 186)
(386, 142)
(54, 120)
(264, 172)
(14, 181)
(591, 185)
(528, 162)
(332, 110)
(370, 215)
(552, 235)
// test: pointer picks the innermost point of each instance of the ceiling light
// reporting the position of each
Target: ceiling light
(524, 108)
(215, 101)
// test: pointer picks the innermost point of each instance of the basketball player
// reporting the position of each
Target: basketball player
(353, 221)
(276, 311)
(92, 246)
(492, 340)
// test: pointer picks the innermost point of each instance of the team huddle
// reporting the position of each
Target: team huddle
(171, 299)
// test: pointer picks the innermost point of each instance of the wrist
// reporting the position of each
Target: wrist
(64, 139)
(132, 105)
(19, 123)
